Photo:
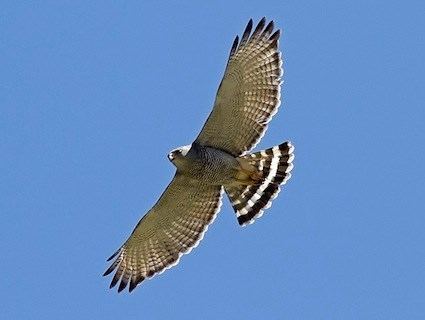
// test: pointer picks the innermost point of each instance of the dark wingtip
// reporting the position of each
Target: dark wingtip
(134, 282)
(234, 46)
(114, 255)
(268, 30)
(262, 23)
(110, 269)
(132, 286)
(249, 25)
(275, 36)
(122, 286)
(115, 280)
(259, 27)
(246, 32)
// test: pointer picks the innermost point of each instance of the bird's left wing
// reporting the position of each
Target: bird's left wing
(175, 225)
(249, 93)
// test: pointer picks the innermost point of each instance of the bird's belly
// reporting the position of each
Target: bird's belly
(215, 173)
(213, 167)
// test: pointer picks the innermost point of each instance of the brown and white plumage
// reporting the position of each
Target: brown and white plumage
(249, 94)
(247, 98)
(174, 225)
(275, 164)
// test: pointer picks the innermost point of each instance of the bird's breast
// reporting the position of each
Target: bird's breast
(211, 166)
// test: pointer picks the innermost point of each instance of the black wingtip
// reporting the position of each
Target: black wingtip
(110, 269)
(259, 27)
(248, 27)
(268, 30)
(249, 24)
(122, 286)
(262, 21)
(234, 46)
(275, 36)
(114, 255)
(115, 280)
(134, 282)
(132, 286)
(246, 32)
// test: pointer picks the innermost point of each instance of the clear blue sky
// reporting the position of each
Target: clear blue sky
(94, 95)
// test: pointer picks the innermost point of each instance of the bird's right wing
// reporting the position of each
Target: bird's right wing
(249, 93)
(175, 225)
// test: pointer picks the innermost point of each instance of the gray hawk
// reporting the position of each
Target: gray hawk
(216, 162)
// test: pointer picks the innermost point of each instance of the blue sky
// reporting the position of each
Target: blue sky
(94, 95)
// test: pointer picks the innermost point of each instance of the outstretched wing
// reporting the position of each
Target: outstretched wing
(249, 93)
(175, 225)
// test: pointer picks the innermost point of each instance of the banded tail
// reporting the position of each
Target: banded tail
(269, 168)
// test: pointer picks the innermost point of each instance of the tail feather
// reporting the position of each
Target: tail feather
(274, 166)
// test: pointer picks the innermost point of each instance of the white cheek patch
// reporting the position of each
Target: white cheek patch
(185, 149)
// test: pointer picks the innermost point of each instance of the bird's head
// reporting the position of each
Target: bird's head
(178, 153)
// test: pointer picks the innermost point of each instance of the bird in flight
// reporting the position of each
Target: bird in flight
(217, 162)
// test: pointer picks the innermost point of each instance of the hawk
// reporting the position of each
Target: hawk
(216, 162)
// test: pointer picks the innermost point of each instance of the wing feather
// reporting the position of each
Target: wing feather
(174, 226)
(249, 94)
(246, 33)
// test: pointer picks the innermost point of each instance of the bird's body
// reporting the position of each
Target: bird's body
(207, 164)
(217, 162)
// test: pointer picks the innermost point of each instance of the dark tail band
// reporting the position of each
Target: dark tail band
(275, 164)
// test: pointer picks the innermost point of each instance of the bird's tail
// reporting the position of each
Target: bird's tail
(265, 170)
